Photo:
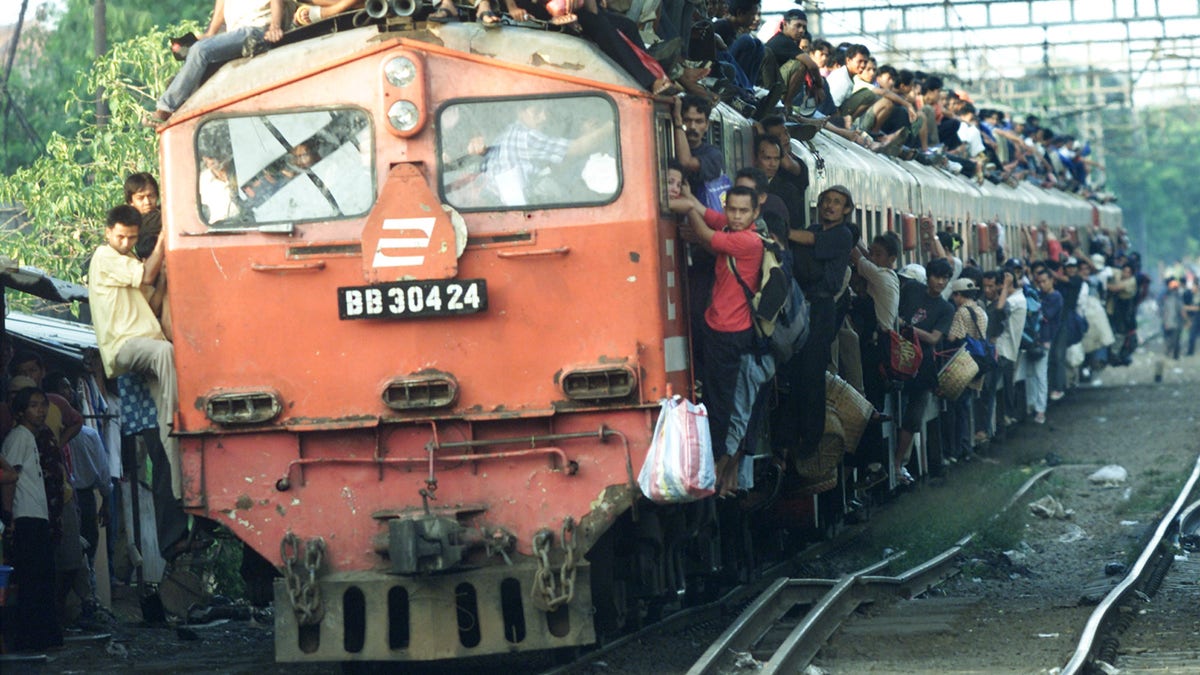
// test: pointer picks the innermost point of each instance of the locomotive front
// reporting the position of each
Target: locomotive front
(417, 375)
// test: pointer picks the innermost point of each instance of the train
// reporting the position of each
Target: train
(424, 400)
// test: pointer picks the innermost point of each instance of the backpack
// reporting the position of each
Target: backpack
(1033, 320)
(982, 351)
(779, 310)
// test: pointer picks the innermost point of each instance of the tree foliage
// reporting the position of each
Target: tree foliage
(1153, 161)
(55, 57)
(65, 193)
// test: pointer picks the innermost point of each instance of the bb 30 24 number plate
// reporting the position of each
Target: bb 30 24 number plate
(413, 299)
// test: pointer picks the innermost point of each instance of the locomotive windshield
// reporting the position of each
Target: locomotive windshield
(286, 167)
(521, 153)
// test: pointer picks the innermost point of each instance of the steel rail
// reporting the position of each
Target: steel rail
(686, 617)
(1104, 616)
(823, 619)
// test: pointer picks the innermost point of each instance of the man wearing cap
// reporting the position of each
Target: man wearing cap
(1068, 283)
(922, 307)
(822, 259)
(970, 320)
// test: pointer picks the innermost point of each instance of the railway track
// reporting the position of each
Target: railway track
(1100, 644)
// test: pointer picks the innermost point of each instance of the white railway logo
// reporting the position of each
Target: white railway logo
(389, 250)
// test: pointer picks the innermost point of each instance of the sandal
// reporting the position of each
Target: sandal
(445, 15)
(663, 86)
(488, 18)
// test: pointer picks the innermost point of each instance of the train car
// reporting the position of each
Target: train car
(418, 378)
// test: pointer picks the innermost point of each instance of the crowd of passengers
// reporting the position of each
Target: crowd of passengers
(1050, 307)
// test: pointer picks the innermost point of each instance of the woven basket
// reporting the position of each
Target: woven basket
(818, 472)
(958, 372)
(852, 409)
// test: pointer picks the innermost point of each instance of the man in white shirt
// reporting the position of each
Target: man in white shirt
(972, 138)
(242, 19)
(1010, 299)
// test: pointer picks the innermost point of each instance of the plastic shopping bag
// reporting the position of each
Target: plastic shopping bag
(679, 466)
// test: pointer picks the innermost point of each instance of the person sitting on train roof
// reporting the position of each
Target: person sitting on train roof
(821, 52)
(615, 34)
(243, 20)
(922, 308)
(970, 141)
(785, 44)
(733, 371)
(930, 91)
(780, 185)
(821, 262)
(317, 10)
(736, 30)
(846, 65)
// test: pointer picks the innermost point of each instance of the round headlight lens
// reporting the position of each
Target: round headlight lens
(404, 115)
(400, 71)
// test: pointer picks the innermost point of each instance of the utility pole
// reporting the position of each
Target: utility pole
(99, 46)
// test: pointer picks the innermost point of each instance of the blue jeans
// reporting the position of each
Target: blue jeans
(210, 51)
(747, 51)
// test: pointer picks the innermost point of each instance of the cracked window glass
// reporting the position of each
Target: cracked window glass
(284, 168)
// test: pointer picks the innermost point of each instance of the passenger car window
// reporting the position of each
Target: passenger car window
(285, 167)
(523, 153)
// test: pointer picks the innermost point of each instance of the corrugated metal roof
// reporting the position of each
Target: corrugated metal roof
(63, 338)
(36, 282)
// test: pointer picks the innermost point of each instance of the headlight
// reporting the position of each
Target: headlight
(400, 71)
(404, 115)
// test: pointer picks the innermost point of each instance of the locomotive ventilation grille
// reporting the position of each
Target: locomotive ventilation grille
(418, 392)
(591, 384)
(251, 407)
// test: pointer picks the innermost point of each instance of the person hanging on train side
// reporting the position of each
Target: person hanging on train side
(130, 338)
(921, 307)
(244, 21)
(704, 169)
(873, 313)
(1036, 370)
(734, 370)
(821, 261)
(790, 167)
(969, 321)
(773, 213)
(768, 155)
(1006, 307)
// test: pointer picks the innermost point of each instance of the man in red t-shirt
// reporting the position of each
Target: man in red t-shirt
(730, 343)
